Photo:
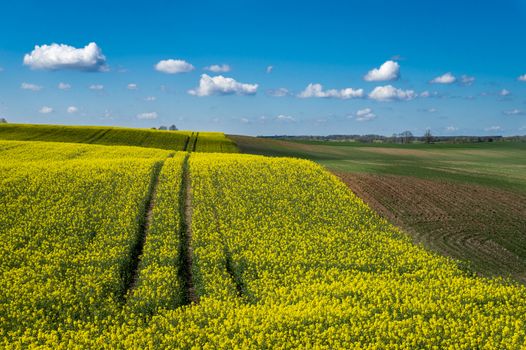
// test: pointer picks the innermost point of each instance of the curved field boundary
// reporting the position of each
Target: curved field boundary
(481, 226)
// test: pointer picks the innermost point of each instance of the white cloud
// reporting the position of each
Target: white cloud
(218, 68)
(504, 92)
(64, 86)
(60, 56)
(467, 80)
(522, 77)
(132, 86)
(447, 78)
(428, 93)
(72, 109)
(390, 70)
(174, 66)
(429, 110)
(514, 111)
(220, 85)
(286, 118)
(244, 120)
(493, 128)
(280, 92)
(451, 128)
(45, 110)
(390, 93)
(316, 90)
(270, 68)
(96, 87)
(150, 98)
(29, 86)
(365, 114)
(147, 115)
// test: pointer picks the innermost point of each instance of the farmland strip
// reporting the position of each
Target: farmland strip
(185, 147)
(131, 270)
(185, 258)
(195, 141)
(97, 136)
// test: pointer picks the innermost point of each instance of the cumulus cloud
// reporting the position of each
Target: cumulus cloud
(220, 85)
(390, 93)
(29, 86)
(64, 86)
(72, 109)
(428, 110)
(316, 90)
(522, 77)
(493, 128)
(45, 110)
(218, 68)
(286, 118)
(451, 128)
(504, 92)
(60, 56)
(428, 93)
(280, 92)
(425, 94)
(150, 98)
(446, 78)
(467, 80)
(390, 70)
(132, 86)
(365, 114)
(96, 87)
(514, 111)
(270, 68)
(147, 115)
(171, 66)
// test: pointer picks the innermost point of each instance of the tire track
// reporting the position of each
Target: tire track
(185, 250)
(130, 271)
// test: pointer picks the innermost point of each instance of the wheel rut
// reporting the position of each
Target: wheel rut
(185, 250)
(131, 269)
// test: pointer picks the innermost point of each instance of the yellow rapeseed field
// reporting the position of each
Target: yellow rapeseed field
(284, 256)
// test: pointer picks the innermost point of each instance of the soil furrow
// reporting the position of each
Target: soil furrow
(185, 249)
(131, 269)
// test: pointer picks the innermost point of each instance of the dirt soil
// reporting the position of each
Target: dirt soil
(485, 227)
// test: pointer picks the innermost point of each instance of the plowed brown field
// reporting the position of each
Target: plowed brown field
(483, 226)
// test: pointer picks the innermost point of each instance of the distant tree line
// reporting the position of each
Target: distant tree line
(3, 121)
(162, 127)
(402, 138)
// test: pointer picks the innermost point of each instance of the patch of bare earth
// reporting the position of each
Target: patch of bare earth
(484, 226)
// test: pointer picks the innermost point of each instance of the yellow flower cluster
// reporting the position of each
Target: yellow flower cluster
(284, 256)
(68, 222)
(158, 284)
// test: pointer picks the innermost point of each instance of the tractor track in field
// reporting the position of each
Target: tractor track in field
(131, 270)
(185, 250)
(98, 136)
(230, 266)
(481, 225)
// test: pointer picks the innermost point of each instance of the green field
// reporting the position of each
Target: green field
(172, 140)
(497, 164)
(130, 247)
(467, 201)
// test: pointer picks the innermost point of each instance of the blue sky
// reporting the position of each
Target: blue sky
(164, 48)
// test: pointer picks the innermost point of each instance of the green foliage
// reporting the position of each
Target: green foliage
(172, 140)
